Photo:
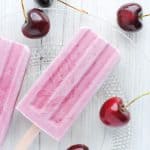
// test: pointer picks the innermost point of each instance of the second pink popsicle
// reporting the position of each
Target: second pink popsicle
(13, 62)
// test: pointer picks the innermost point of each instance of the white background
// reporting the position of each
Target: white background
(107, 9)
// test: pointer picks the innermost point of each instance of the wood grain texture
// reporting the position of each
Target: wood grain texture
(133, 76)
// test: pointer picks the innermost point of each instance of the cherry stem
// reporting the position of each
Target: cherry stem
(24, 10)
(146, 15)
(136, 98)
(71, 6)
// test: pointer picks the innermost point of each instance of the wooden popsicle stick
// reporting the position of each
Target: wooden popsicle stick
(28, 138)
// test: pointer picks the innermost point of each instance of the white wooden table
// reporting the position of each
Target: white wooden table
(138, 82)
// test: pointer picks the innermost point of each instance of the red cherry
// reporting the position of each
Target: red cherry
(45, 3)
(37, 24)
(78, 147)
(113, 112)
(129, 17)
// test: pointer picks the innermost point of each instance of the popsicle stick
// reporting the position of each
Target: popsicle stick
(28, 138)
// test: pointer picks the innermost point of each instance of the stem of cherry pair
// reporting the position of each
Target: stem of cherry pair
(73, 7)
(24, 10)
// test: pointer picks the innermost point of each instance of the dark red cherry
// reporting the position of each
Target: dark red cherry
(113, 112)
(37, 24)
(45, 3)
(129, 17)
(78, 147)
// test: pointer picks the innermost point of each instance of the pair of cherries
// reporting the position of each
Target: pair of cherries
(37, 23)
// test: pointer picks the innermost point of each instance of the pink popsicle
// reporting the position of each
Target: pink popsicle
(62, 92)
(13, 61)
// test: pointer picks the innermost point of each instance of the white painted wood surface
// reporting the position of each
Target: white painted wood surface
(134, 80)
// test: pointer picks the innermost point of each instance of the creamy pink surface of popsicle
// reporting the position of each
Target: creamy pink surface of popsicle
(62, 92)
(13, 62)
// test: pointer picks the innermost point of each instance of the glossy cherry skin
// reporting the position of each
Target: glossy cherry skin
(129, 17)
(37, 25)
(78, 147)
(45, 3)
(113, 113)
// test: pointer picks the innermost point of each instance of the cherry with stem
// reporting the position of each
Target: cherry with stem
(129, 17)
(37, 23)
(115, 113)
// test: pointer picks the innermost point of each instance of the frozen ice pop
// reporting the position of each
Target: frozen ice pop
(62, 92)
(13, 61)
